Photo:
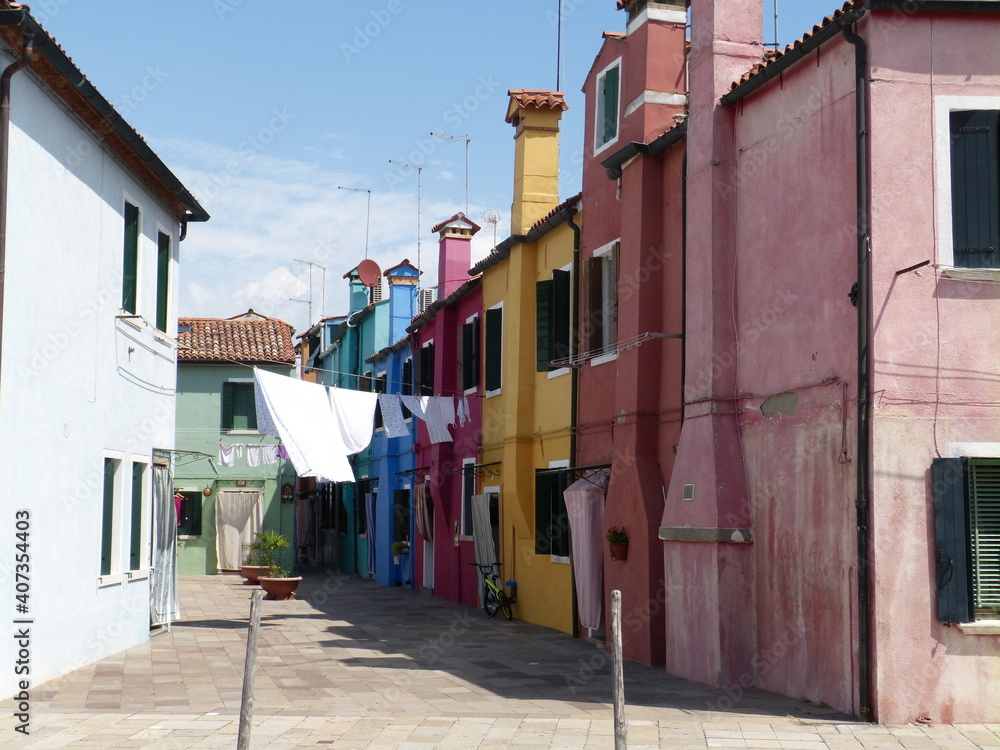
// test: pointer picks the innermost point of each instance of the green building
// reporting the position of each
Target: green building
(229, 482)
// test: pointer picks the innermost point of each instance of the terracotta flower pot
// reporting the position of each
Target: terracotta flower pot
(279, 588)
(251, 573)
(619, 551)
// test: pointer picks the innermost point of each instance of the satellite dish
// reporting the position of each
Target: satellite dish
(369, 272)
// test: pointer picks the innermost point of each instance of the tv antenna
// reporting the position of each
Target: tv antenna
(492, 217)
(419, 171)
(310, 300)
(368, 221)
(467, 142)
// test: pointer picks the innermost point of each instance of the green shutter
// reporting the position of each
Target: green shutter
(985, 523)
(609, 107)
(951, 540)
(975, 188)
(543, 513)
(543, 318)
(494, 348)
(108, 515)
(227, 405)
(470, 358)
(244, 407)
(561, 312)
(162, 280)
(135, 544)
(130, 265)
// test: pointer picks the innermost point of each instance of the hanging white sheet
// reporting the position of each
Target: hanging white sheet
(238, 518)
(585, 509)
(437, 411)
(301, 415)
(164, 606)
(355, 415)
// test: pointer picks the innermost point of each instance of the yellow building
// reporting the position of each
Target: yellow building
(528, 283)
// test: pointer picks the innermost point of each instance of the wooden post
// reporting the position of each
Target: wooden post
(249, 669)
(617, 673)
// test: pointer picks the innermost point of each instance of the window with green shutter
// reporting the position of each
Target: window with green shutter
(551, 519)
(975, 188)
(130, 262)
(135, 561)
(607, 106)
(108, 515)
(967, 538)
(162, 279)
(427, 369)
(493, 359)
(470, 354)
(552, 308)
(239, 407)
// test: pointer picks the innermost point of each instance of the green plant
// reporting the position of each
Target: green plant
(616, 535)
(400, 548)
(262, 549)
(275, 572)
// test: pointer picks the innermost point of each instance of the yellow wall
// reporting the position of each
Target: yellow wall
(527, 426)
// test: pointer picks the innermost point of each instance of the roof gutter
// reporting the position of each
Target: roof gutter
(940, 6)
(616, 162)
(793, 56)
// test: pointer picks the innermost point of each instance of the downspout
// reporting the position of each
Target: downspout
(863, 469)
(574, 390)
(684, 279)
(27, 50)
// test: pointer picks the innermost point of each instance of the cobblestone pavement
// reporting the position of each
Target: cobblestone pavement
(354, 665)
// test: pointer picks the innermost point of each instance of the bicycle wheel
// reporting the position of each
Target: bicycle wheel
(490, 601)
(505, 605)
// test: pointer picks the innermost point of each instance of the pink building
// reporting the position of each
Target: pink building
(831, 527)
(446, 339)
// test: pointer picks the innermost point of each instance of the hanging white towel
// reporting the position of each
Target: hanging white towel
(392, 415)
(301, 414)
(269, 454)
(462, 413)
(355, 414)
(416, 404)
(227, 456)
(440, 411)
(253, 455)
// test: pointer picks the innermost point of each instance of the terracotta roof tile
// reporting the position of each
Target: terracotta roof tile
(538, 98)
(771, 56)
(457, 217)
(250, 337)
(557, 209)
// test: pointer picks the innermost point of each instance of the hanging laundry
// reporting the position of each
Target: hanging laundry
(355, 416)
(281, 452)
(462, 412)
(424, 511)
(269, 454)
(416, 405)
(440, 412)
(466, 409)
(301, 414)
(228, 456)
(392, 415)
(253, 455)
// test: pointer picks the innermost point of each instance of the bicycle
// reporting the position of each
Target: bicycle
(495, 599)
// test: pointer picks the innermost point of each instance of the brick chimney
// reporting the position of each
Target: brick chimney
(454, 252)
(535, 116)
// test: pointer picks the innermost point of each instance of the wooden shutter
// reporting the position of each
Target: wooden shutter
(561, 312)
(135, 541)
(227, 405)
(162, 280)
(543, 317)
(244, 407)
(610, 292)
(608, 123)
(951, 540)
(985, 522)
(130, 261)
(594, 324)
(975, 188)
(427, 370)
(406, 387)
(470, 354)
(494, 348)
(381, 385)
(107, 515)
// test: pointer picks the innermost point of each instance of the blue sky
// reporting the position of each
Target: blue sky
(265, 110)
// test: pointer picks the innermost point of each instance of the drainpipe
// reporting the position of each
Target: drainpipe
(863, 469)
(27, 50)
(574, 390)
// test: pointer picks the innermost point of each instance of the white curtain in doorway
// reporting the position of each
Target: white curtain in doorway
(164, 607)
(238, 518)
(482, 534)
(585, 509)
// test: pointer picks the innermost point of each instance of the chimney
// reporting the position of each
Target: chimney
(403, 280)
(535, 116)
(454, 252)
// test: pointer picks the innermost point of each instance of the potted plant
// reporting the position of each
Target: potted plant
(279, 583)
(618, 541)
(261, 555)
(399, 548)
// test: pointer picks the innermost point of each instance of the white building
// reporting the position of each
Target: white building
(87, 369)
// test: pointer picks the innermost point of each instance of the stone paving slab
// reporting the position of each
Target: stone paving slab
(354, 665)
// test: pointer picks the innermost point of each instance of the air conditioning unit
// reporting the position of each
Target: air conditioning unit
(426, 298)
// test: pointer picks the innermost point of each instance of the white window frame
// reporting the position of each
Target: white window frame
(145, 511)
(560, 559)
(199, 491)
(115, 575)
(496, 391)
(599, 107)
(604, 252)
(944, 105)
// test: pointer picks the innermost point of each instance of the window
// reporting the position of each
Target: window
(469, 374)
(975, 188)
(601, 326)
(607, 107)
(427, 369)
(381, 385)
(162, 279)
(109, 541)
(468, 490)
(493, 354)
(406, 387)
(189, 518)
(401, 515)
(551, 520)
(967, 538)
(239, 409)
(367, 382)
(130, 267)
(136, 558)
(552, 310)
